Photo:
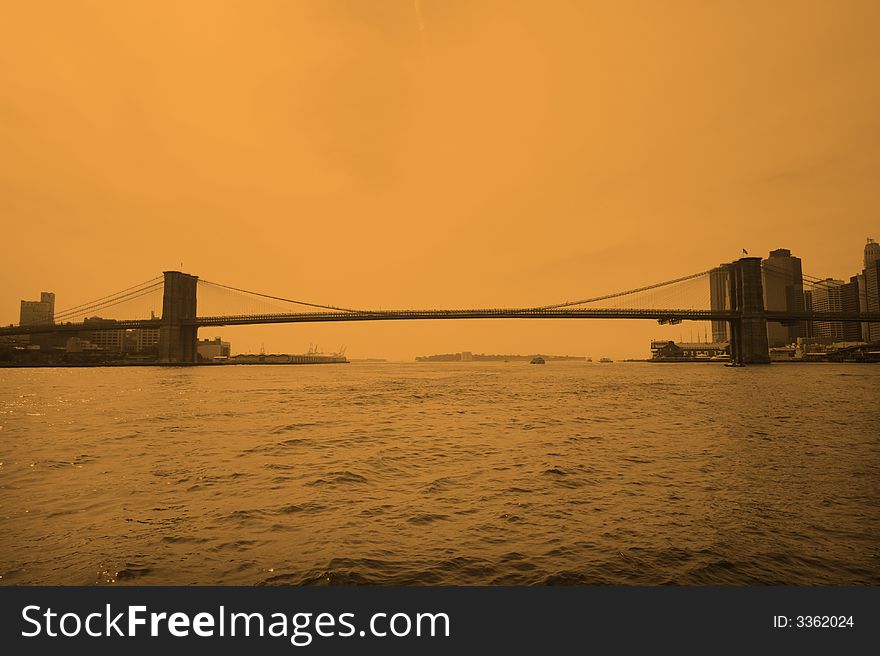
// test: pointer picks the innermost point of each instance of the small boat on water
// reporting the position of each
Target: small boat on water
(537, 360)
(605, 360)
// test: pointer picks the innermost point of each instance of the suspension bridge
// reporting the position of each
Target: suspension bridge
(730, 294)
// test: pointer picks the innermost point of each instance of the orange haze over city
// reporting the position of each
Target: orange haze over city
(437, 153)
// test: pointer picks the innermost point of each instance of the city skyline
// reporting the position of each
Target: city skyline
(785, 288)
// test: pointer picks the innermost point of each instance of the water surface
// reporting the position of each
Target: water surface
(445, 473)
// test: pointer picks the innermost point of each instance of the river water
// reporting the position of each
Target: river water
(446, 473)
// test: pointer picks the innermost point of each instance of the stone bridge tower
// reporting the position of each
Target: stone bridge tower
(748, 333)
(178, 340)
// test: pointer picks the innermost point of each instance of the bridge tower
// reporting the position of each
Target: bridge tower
(177, 340)
(748, 333)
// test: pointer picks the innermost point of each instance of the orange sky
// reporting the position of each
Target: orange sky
(512, 153)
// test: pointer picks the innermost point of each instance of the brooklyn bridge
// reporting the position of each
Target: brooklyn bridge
(730, 295)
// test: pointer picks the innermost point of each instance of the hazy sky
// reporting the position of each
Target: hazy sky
(511, 153)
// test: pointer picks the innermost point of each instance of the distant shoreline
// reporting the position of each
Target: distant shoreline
(466, 356)
(69, 365)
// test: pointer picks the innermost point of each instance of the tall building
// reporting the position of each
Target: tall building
(863, 305)
(849, 302)
(719, 299)
(783, 282)
(809, 326)
(42, 311)
(872, 251)
(871, 272)
(827, 298)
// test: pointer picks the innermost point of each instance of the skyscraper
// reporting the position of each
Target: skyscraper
(827, 298)
(871, 273)
(872, 251)
(863, 305)
(849, 302)
(809, 326)
(783, 290)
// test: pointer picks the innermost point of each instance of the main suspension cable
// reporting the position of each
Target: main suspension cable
(625, 293)
(280, 298)
(152, 282)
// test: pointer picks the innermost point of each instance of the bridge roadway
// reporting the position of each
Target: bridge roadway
(663, 315)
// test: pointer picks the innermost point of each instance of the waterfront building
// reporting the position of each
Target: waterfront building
(209, 349)
(783, 353)
(108, 340)
(146, 339)
(112, 341)
(80, 345)
(783, 283)
(664, 349)
(34, 312)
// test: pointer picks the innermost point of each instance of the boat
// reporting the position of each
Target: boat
(537, 360)
(721, 357)
(605, 360)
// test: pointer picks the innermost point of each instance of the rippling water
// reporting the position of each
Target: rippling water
(464, 473)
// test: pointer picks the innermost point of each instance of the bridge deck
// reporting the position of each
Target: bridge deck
(486, 313)
(480, 313)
